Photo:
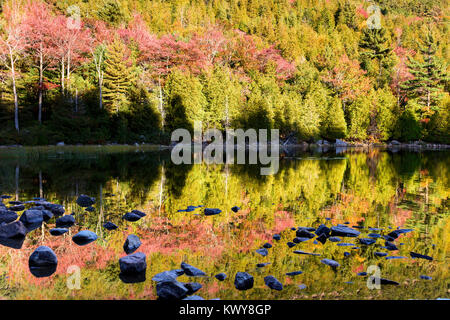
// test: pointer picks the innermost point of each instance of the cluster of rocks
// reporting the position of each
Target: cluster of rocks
(207, 211)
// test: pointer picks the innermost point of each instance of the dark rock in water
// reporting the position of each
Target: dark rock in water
(344, 231)
(366, 241)
(388, 238)
(90, 209)
(65, 221)
(132, 217)
(194, 297)
(420, 256)
(330, 263)
(110, 226)
(303, 233)
(383, 281)
(84, 237)
(323, 229)
(19, 207)
(133, 277)
(374, 235)
(47, 214)
(308, 253)
(344, 244)
(395, 257)
(220, 276)
(211, 212)
(381, 254)
(375, 229)
(322, 238)
(291, 244)
(261, 265)
(132, 243)
(358, 227)
(171, 290)
(309, 229)
(133, 263)
(170, 275)
(32, 219)
(235, 209)
(58, 231)
(346, 254)
(362, 274)
(42, 262)
(390, 246)
(181, 210)
(262, 252)
(355, 248)
(302, 286)
(5, 197)
(56, 209)
(139, 213)
(15, 203)
(191, 271)
(15, 243)
(192, 287)
(334, 239)
(424, 277)
(294, 273)
(293, 228)
(315, 242)
(276, 237)
(243, 281)
(85, 201)
(273, 283)
(396, 233)
(267, 245)
(13, 230)
(7, 216)
(346, 222)
(300, 239)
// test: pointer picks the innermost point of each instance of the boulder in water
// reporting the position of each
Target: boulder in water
(171, 290)
(7, 216)
(170, 275)
(192, 287)
(262, 251)
(131, 216)
(85, 201)
(191, 270)
(330, 263)
(420, 256)
(84, 237)
(243, 281)
(344, 231)
(110, 226)
(58, 231)
(210, 211)
(273, 283)
(235, 209)
(132, 243)
(366, 241)
(42, 262)
(65, 221)
(323, 229)
(133, 264)
(220, 276)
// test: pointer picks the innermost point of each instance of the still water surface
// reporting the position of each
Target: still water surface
(376, 189)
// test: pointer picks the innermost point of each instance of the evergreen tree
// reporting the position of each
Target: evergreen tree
(117, 78)
(345, 14)
(429, 77)
(374, 43)
(333, 123)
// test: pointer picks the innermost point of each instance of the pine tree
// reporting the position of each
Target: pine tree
(117, 78)
(429, 77)
(333, 123)
(376, 47)
(345, 14)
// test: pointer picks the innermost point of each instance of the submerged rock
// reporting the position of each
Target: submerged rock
(420, 256)
(322, 238)
(273, 283)
(267, 245)
(84, 237)
(133, 277)
(56, 209)
(17, 207)
(13, 230)
(276, 237)
(170, 275)
(42, 262)
(132, 243)
(85, 201)
(344, 231)
(211, 212)
(191, 270)
(374, 235)
(294, 273)
(308, 253)
(424, 277)
(390, 246)
(366, 241)
(323, 229)
(300, 239)
(303, 233)
(132, 217)
(396, 233)
(192, 287)
(334, 239)
(58, 231)
(261, 265)
(7, 216)
(290, 244)
(133, 263)
(110, 226)
(235, 209)
(65, 221)
(220, 276)
(171, 290)
(139, 213)
(381, 254)
(32, 219)
(330, 263)
(262, 252)
(243, 281)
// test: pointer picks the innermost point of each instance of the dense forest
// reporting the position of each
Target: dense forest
(127, 71)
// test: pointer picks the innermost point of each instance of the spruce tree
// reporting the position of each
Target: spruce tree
(117, 77)
(429, 77)
(374, 43)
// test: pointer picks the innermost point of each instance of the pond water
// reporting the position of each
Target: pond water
(376, 189)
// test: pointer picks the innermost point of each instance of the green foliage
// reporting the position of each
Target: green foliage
(333, 123)
(408, 126)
